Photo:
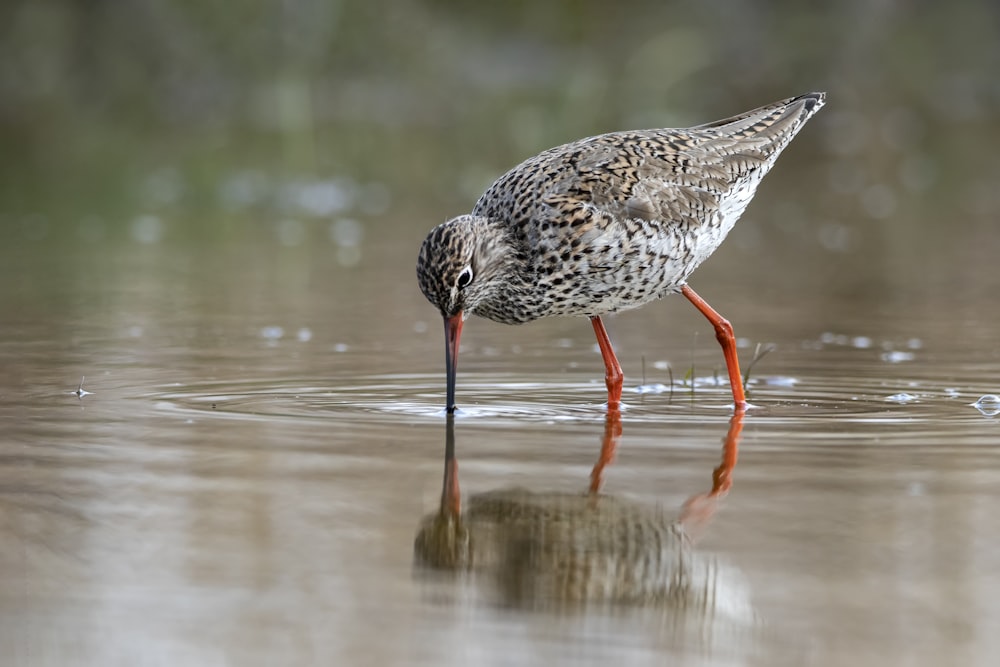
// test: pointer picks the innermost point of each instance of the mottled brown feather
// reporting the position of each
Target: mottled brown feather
(607, 222)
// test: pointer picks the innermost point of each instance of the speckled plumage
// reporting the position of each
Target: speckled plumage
(605, 223)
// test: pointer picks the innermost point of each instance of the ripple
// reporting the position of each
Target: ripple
(504, 398)
(988, 405)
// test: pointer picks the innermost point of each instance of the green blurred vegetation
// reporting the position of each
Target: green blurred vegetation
(115, 110)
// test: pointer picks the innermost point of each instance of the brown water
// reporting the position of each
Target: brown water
(244, 483)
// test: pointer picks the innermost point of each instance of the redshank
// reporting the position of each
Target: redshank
(604, 224)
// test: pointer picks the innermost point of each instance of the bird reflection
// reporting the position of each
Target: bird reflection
(563, 550)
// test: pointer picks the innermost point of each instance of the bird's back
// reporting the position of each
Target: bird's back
(613, 221)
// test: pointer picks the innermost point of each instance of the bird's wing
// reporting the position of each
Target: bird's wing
(670, 176)
(667, 176)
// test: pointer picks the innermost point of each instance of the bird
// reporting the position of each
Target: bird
(604, 224)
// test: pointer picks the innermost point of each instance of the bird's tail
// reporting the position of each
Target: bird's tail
(795, 110)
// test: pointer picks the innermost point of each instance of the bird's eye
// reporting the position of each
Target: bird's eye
(464, 278)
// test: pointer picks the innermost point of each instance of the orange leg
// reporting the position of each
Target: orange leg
(699, 509)
(609, 446)
(722, 477)
(613, 376)
(724, 334)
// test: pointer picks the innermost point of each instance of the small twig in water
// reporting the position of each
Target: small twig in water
(689, 378)
(759, 353)
(80, 391)
(694, 341)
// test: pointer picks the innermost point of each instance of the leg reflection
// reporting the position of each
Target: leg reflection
(699, 509)
(609, 445)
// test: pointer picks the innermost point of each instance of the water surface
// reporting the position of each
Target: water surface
(244, 483)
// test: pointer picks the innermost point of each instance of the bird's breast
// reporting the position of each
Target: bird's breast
(618, 265)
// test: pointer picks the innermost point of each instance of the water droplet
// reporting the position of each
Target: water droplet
(340, 347)
(897, 356)
(861, 342)
(304, 335)
(988, 404)
(656, 388)
(830, 338)
(901, 398)
(272, 333)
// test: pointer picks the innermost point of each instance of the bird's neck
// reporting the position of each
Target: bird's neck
(514, 298)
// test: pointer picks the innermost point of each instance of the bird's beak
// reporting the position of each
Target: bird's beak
(452, 332)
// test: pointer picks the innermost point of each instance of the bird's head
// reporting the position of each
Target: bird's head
(463, 263)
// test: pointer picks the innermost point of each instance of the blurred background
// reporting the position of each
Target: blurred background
(328, 122)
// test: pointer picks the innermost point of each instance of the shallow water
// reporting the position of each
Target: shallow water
(263, 436)
(214, 217)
